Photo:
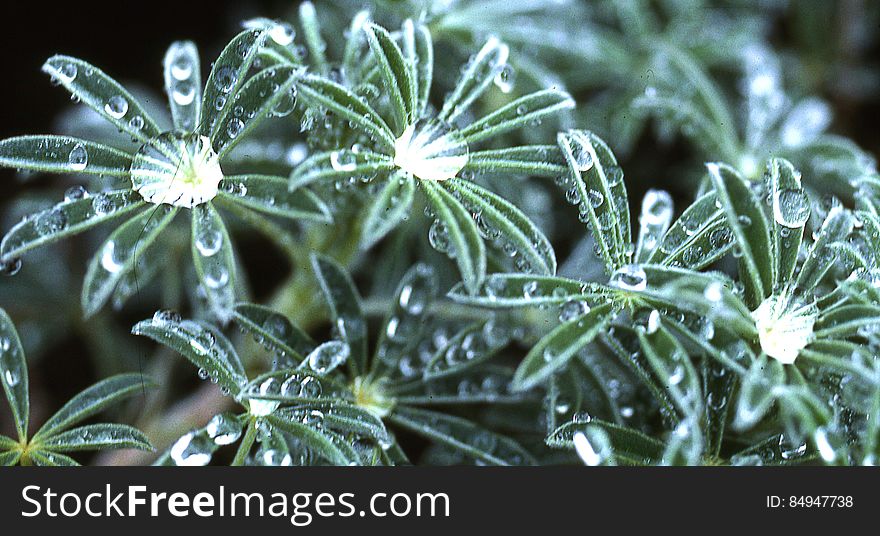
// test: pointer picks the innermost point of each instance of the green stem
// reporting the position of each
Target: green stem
(246, 443)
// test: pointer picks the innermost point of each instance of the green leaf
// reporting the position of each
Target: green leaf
(553, 352)
(66, 219)
(698, 238)
(465, 244)
(419, 50)
(269, 92)
(463, 436)
(103, 95)
(295, 386)
(14, 375)
(119, 255)
(342, 164)
(183, 84)
(673, 368)
(202, 345)
(522, 290)
(272, 195)
(750, 227)
(96, 437)
(598, 181)
(213, 259)
(348, 106)
(226, 77)
(274, 329)
(837, 226)
(342, 417)
(308, 18)
(522, 112)
(654, 220)
(316, 441)
(9, 458)
(630, 446)
(847, 321)
(63, 154)
(791, 210)
(528, 160)
(397, 76)
(92, 401)
(345, 309)
(465, 351)
(757, 393)
(475, 79)
(391, 207)
(504, 222)
(42, 458)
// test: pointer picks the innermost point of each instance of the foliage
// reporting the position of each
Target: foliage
(741, 330)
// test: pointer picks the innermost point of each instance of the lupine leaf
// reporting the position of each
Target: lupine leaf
(464, 237)
(397, 76)
(699, 237)
(213, 259)
(275, 329)
(183, 84)
(556, 348)
(470, 348)
(345, 308)
(14, 374)
(226, 77)
(475, 79)
(630, 446)
(750, 227)
(308, 18)
(419, 50)
(272, 195)
(463, 436)
(66, 219)
(92, 401)
(518, 290)
(517, 114)
(514, 228)
(785, 182)
(530, 160)
(327, 166)
(9, 458)
(315, 440)
(119, 255)
(96, 437)
(104, 95)
(63, 154)
(673, 368)
(391, 207)
(205, 347)
(42, 458)
(295, 386)
(837, 225)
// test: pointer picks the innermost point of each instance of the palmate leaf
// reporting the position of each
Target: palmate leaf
(791, 210)
(66, 219)
(201, 344)
(554, 351)
(63, 154)
(523, 290)
(391, 207)
(630, 447)
(272, 195)
(465, 244)
(119, 255)
(532, 248)
(751, 229)
(345, 309)
(103, 95)
(419, 51)
(396, 73)
(517, 114)
(601, 194)
(319, 91)
(183, 84)
(698, 238)
(260, 97)
(341, 164)
(462, 435)
(226, 77)
(92, 401)
(274, 330)
(96, 437)
(14, 375)
(213, 259)
(475, 79)
(527, 160)
(316, 440)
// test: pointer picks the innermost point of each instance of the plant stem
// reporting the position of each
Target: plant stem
(246, 443)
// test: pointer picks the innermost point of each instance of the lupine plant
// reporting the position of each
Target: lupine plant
(438, 258)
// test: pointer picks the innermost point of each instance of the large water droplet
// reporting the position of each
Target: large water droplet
(630, 277)
(791, 207)
(78, 157)
(116, 106)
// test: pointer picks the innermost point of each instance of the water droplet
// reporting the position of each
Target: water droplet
(78, 158)
(572, 309)
(653, 322)
(328, 356)
(10, 267)
(225, 78)
(183, 93)
(51, 222)
(116, 107)
(630, 277)
(791, 207)
(75, 193)
(505, 79)
(224, 429)
(189, 451)
(282, 33)
(209, 241)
